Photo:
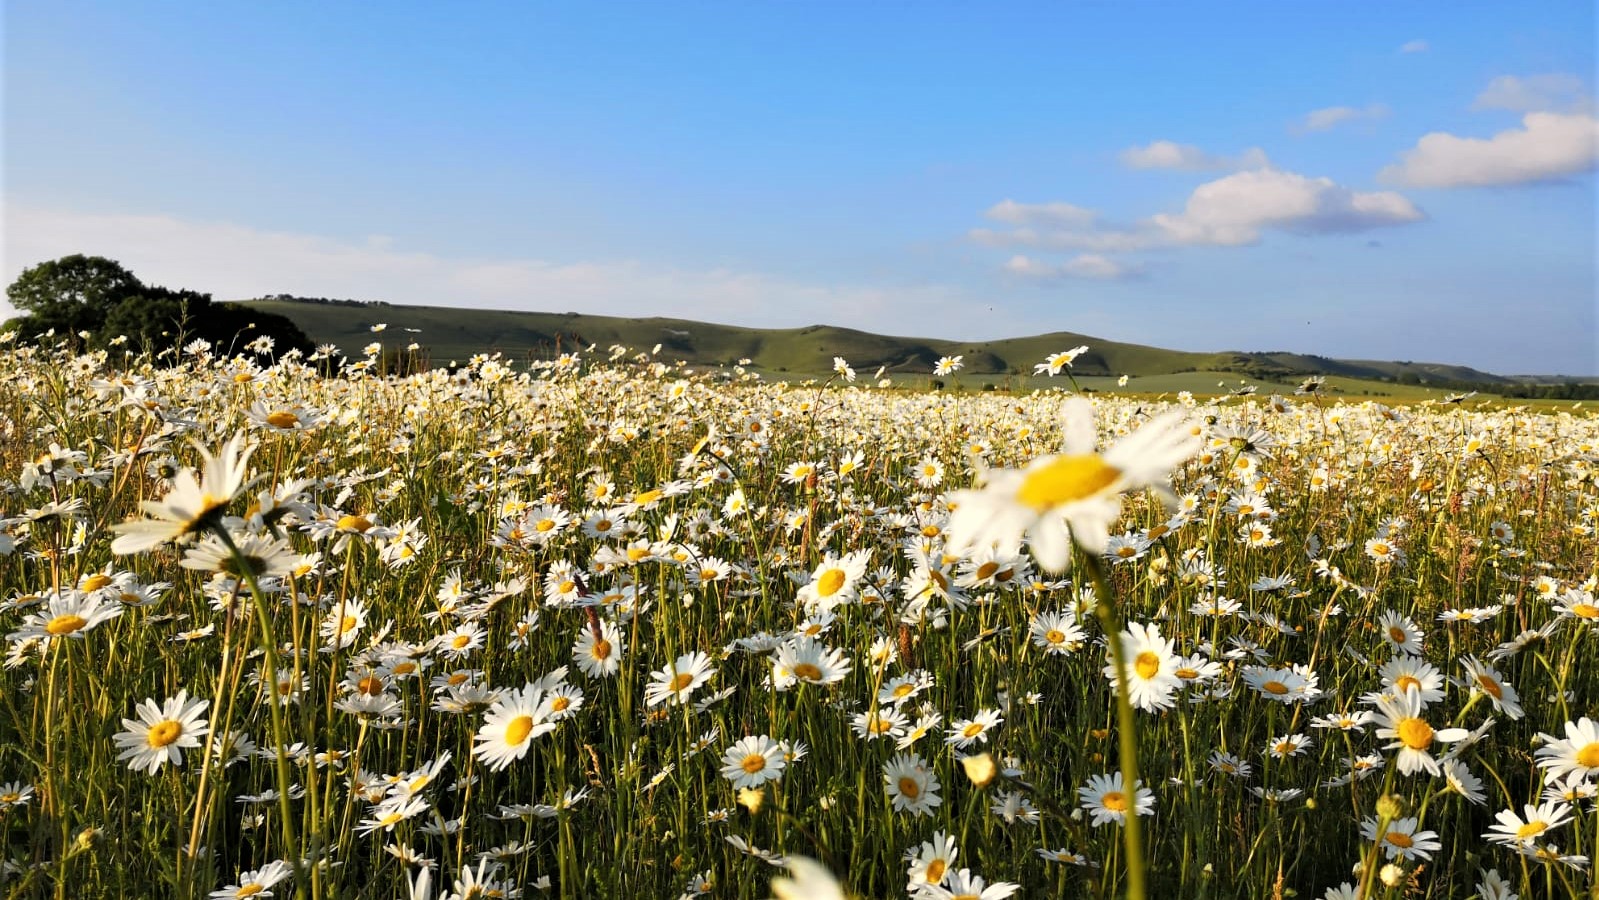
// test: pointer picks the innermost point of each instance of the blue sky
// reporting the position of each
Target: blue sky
(1394, 181)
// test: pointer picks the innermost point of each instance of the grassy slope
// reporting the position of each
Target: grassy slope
(458, 333)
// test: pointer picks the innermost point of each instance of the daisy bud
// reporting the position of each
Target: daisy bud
(751, 799)
(1389, 806)
(980, 769)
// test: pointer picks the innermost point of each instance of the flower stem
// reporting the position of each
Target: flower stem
(1132, 833)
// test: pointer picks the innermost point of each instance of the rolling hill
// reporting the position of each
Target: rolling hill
(447, 334)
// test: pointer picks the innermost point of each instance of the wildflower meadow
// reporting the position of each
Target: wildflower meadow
(608, 626)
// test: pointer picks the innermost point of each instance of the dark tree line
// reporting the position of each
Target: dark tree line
(90, 295)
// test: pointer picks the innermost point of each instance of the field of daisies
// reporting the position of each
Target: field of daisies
(604, 626)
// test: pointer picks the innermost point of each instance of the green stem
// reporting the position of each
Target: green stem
(1132, 833)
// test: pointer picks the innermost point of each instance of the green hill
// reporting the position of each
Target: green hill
(447, 334)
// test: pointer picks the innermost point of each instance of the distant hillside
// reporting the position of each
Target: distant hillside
(455, 334)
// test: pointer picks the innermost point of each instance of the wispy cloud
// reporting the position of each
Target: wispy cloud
(1087, 265)
(1535, 93)
(234, 262)
(1333, 116)
(1172, 155)
(1234, 210)
(1416, 46)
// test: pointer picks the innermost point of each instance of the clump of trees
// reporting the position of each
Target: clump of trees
(99, 301)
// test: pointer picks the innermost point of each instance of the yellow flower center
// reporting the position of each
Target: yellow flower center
(566, 587)
(461, 640)
(601, 649)
(1531, 829)
(248, 890)
(1398, 634)
(1399, 839)
(807, 672)
(353, 523)
(1492, 687)
(560, 704)
(1275, 687)
(830, 583)
(972, 730)
(1414, 733)
(283, 419)
(903, 690)
(681, 681)
(1115, 801)
(518, 730)
(371, 685)
(909, 788)
(936, 870)
(634, 554)
(1585, 611)
(404, 668)
(65, 624)
(1405, 682)
(457, 679)
(95, 582)
(1588, 756)
(163, 733)
(987, 569)
(753, 763)
(544, 525)
(647, 497)
(1147, 664)
(1055, 636)
(1066, 479)
(1187, 673)
(347, 622)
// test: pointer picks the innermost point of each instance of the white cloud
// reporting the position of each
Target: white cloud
(1547, 146)
(1533, 93)
(1415, 46)
(1332, 116)
(1230, 211)
(1086, 265)
(1044, 214)
(233, 262)
(1172, 155)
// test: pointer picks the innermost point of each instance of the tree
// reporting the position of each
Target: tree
(98, 296)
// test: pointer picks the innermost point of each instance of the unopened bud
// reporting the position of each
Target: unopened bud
(980, 769)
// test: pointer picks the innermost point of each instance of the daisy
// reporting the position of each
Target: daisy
(1401, 633)
(808, 662)
(901, 688)
(1401, 720)
(833, 582)
(964, 732)
(1076, 495)
(1105, 798)
(674, 684)
(931, 863)
(812, 880)
(753, 761)
(599, 655)
(880, 723)
(256, 882)
(1053, 364)
(1056, 633)
(911, 784)
(158, 734)
(1282, 685)
(69, 614)
(963, 884)
(511, 725)
(1510, 829)
(1401, 840)
(1152, 681)
(1403, 673)
(343, 624)
(1481, 676)
(192, 505)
